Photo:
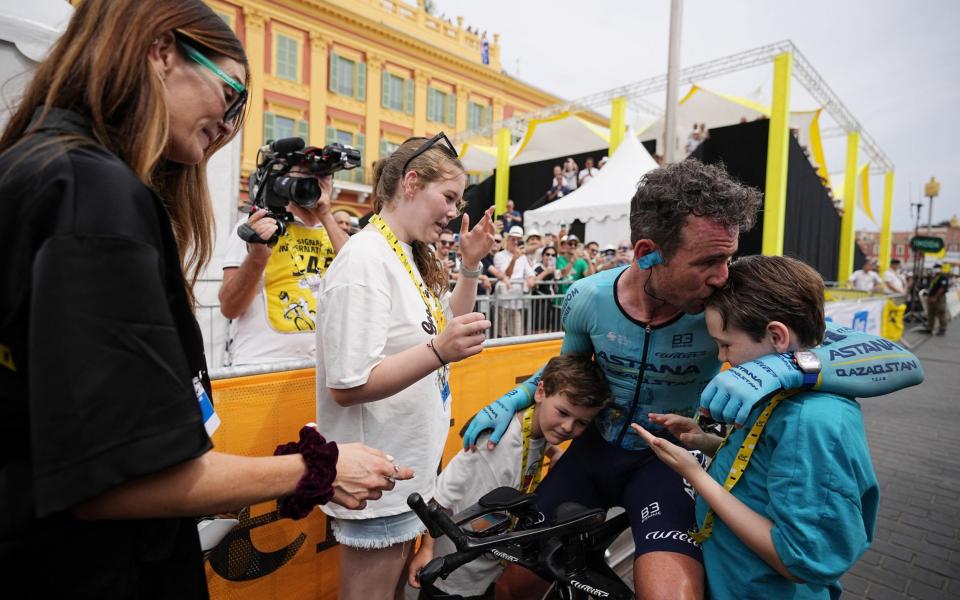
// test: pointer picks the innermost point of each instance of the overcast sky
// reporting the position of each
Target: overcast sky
(894, 64)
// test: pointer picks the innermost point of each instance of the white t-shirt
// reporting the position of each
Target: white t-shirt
(279, 324)
(368, 308)
(894, 282)
(570, 180)
(586, 174)
(518, 278)
(466, 479)
(865, 280)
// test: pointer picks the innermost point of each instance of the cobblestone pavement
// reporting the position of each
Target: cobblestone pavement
(914, 440)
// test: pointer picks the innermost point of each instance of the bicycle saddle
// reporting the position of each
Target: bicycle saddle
(506, 498)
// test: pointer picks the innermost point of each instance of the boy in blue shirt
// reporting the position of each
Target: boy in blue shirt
(790, 501)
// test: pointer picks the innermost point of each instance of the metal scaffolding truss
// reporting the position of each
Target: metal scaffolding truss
(803, 72)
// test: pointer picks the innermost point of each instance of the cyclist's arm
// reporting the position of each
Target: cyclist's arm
(853, 364)
(862, 365)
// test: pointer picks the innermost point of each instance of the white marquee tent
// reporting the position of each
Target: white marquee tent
(602, 204)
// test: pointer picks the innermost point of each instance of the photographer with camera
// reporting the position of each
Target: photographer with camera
(105, 226)
(269, 283)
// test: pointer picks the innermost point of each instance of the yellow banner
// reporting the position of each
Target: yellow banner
(268, 557)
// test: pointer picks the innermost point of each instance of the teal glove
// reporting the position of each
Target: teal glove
(497, 416)
(731, 395)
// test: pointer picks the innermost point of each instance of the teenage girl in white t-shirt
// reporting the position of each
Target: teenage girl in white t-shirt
(387, 331)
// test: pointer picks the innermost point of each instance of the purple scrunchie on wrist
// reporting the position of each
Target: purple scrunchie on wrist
(316, 485)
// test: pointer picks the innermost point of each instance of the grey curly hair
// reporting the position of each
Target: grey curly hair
(667, 196)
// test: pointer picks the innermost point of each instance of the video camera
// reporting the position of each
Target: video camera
(272, 186)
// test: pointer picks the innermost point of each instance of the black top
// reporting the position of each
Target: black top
(98, 348)
(939, 285)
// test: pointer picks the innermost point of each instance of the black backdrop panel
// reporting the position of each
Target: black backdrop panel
(528, 184)
(812, 225)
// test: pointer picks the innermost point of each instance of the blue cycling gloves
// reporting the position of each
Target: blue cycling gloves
(731, 395)
(497, 416)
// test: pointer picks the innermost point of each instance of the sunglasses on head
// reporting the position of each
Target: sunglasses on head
(447, 147)
(549, 254)
(235, 106)
(446, 242)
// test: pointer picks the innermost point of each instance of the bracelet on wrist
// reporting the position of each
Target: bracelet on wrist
(471, 273)
(430, 345)
(316, 485)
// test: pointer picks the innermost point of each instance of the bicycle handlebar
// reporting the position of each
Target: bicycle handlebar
(541, 549)
(437, 521)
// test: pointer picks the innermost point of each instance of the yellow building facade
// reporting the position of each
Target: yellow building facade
(368, 73)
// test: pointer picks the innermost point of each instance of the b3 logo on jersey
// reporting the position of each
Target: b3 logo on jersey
(682, 340)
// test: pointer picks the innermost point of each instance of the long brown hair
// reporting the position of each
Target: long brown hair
(99, 69)
(433, 165)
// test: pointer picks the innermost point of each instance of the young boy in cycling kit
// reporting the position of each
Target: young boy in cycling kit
(644, 324)
(790, 500)
(571, 392)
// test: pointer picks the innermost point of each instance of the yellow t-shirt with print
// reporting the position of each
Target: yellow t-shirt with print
(298, 261)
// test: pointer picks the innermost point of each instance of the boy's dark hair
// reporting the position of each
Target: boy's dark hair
(578, 377)
(667, 196)
(761, 289)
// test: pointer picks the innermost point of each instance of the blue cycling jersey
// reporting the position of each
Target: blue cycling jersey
(664, 369)
(661, 369)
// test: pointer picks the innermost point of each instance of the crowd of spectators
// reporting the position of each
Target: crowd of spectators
(569, 176)
(525, 263)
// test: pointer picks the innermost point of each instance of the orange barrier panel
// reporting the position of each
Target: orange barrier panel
(268, 557)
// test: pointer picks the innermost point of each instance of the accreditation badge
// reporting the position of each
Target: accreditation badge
(210, 419)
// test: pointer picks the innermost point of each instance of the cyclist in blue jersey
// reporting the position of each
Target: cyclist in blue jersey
(644, 324)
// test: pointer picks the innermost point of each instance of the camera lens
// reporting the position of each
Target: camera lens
(302, 191)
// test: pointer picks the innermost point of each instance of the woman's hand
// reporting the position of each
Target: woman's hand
(672, 455)
(462, 338)
(476, 243)
(363, 473)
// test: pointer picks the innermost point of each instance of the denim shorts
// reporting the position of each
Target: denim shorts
(379, 532)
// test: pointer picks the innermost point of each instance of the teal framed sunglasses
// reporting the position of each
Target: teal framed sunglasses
(239, 100)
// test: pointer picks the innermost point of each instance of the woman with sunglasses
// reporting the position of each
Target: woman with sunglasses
(105, 224)
(387, 332)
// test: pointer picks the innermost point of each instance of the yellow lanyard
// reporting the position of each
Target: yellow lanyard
(430, 300)
(528, 484)
(743, 459)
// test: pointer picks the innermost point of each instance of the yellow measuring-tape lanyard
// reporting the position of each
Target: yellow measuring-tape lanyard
(434, 307)
(528, 484)
(743, 459)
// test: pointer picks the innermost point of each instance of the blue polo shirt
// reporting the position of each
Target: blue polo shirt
(811, 475)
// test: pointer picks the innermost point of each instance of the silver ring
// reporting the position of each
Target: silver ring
(396, 471)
